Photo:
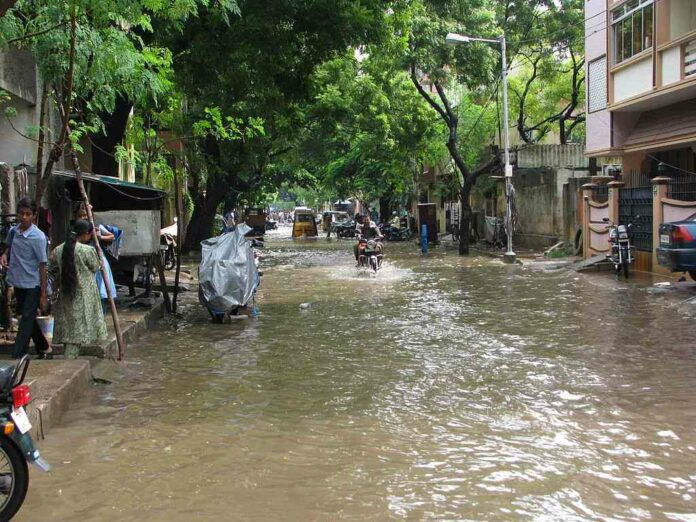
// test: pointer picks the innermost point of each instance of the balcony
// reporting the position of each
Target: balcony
(675, 77)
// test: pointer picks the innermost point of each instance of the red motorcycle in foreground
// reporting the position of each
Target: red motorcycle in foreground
(17, 448)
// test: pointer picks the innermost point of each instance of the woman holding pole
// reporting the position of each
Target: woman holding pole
(79, 319)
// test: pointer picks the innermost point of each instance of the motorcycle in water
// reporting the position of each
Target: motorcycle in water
(370, 254)
(16, 445)
(621, 249)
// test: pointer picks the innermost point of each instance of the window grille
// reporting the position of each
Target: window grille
(632, 27)
(597, 85)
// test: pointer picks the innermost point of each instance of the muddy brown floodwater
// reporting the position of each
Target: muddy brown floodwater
(443, 388)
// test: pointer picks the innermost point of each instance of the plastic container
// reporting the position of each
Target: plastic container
(46, 325)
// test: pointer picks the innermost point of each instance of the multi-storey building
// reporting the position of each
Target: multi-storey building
(641, 84)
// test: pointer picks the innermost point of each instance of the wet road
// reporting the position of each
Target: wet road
(443, 388)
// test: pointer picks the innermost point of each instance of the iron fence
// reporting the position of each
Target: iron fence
(636, 207)
(682, 186)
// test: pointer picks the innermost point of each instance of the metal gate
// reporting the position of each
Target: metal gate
(636, 207)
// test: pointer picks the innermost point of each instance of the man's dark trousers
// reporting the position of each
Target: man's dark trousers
(28, 300)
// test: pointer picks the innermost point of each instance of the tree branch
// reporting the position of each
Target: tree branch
(521, 116)
(38, 33)
(427, 96)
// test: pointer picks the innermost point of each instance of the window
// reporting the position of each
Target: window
(632, 25)
(597, 85)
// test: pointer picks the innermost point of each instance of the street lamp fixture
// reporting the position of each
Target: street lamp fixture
(456, 39)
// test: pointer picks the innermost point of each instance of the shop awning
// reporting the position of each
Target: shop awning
(109, 180)
(109, 193)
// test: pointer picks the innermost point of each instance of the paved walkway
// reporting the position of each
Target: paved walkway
(58, 383)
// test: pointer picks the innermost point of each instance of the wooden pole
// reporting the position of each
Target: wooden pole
(179, 237)
(159, 266)
(40, 149)
(90, 217)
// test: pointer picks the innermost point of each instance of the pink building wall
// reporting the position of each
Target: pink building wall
(598, 123)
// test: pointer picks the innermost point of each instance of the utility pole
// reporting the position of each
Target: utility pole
(456, 39)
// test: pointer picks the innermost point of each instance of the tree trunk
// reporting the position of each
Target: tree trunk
(384, 209)
(464, 219)
(6, 5)
(562, 131)
(201, 225)
(104, 145)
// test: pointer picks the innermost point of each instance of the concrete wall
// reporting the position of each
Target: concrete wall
(547, 202)
(634, 79)
(536, 206)
(547, 184)
(19, 77)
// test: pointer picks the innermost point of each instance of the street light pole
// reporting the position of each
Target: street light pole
(510, 254)
(454, 38)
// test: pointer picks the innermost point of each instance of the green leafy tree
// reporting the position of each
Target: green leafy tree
(96, 57)
(259, 65)
(436, 69)
(368, 134)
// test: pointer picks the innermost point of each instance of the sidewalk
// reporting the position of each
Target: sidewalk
(57, 384)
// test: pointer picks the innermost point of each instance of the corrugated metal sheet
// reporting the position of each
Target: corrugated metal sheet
(555, 156)
(669, 123)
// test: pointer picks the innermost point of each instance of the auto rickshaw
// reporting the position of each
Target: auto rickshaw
(305, 223)
(256, 219)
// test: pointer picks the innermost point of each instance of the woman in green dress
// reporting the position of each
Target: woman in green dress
(79, 318)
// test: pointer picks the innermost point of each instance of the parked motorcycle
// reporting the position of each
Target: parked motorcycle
(345, 229)
(370, 255)
(392, 233)
(228, 274)
(621, 249)
(168, 251)
(16, 445)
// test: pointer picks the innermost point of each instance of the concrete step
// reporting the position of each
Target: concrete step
(55, 386)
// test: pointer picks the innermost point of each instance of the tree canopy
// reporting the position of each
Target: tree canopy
(350, 97)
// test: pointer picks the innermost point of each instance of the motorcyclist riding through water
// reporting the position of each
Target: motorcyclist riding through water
(367, 230)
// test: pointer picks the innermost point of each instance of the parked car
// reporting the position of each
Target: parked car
(677, 250)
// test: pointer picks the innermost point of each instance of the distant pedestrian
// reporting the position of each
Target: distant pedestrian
(26, 259)
(79, 319)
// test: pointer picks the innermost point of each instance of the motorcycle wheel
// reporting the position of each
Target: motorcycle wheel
(169, 260)
(373, 263)
(14, 479)
(625, 268)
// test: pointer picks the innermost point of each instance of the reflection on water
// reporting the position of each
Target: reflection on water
(441, 388)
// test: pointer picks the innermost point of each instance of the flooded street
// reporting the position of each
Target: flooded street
(441, 388)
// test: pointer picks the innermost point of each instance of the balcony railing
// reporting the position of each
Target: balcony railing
(690, 59)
